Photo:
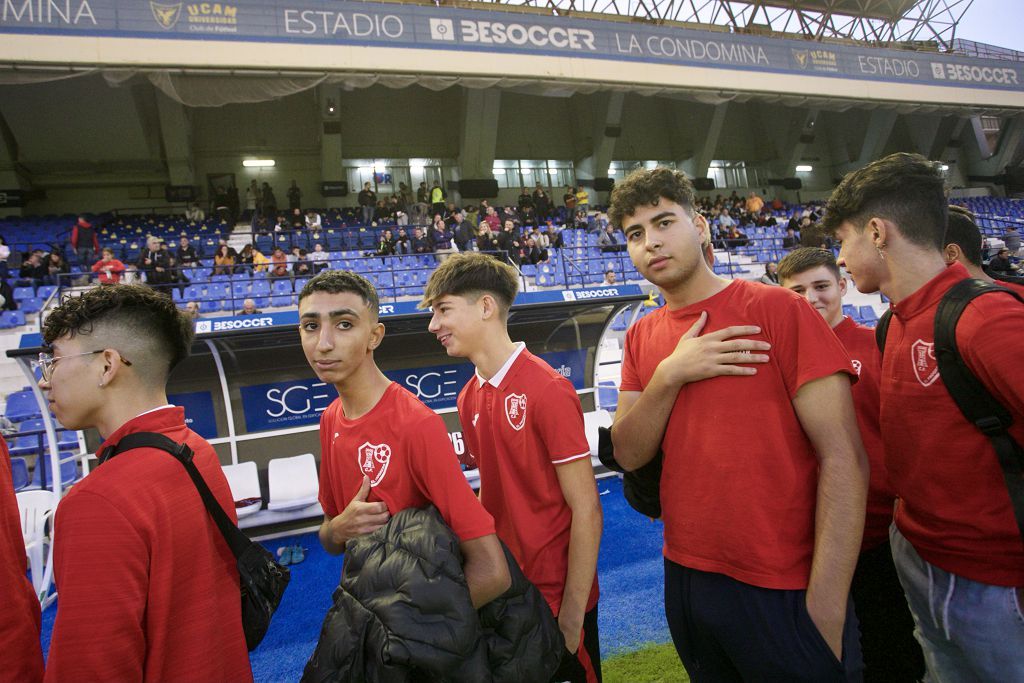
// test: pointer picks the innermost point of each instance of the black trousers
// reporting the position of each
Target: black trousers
(585, 665)
(727, 630)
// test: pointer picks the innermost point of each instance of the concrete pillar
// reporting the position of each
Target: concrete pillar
(982, 161)
(329, 100)
(606, 112)
(879, 129)
(10, 176)
(479, 136)
(697, 166)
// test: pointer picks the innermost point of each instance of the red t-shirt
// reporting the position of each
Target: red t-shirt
(148, 587)
(19, 626)
(403, 446)
(859, 342)
(954, 507)
(740, 478)
(519, 431)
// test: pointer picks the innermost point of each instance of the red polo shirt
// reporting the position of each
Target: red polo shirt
(859, 342)
(740, 478)
(19, 626)
(520, 425)
(403, 446)
(954, 507)
(148, 587)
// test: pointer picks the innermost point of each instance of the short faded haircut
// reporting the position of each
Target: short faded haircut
(647, 188)
(153, 334)
(903, 188)
(807, 258)
(343, 282)
(962, 231)
(472, 274)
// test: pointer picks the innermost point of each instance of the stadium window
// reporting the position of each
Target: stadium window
(728, 173)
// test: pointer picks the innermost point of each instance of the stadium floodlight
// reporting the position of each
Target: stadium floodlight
(943, 167)
(258, 163)
(804, 168)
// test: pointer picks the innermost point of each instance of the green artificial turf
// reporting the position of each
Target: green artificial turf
(652, 664)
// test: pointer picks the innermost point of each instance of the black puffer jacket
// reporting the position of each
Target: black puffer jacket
(402, 613)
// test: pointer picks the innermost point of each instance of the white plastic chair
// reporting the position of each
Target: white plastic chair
(37, 508)
(244, 482)
(293, 482)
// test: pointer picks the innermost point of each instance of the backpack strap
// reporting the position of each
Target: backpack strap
(970, 395)
(236, 540)
(882, 330)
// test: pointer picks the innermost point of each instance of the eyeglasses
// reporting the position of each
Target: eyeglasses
(46, 361)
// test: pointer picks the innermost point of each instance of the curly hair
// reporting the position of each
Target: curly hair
(342, 281)
(472, 273)
(647, 188)
(132, 311)
(906, 189)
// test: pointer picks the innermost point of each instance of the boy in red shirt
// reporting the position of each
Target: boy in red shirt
(763, 513)
(887, 630)
(955, 542)
(148, 587)
(382, 450)
(963, 245)
(523, 423)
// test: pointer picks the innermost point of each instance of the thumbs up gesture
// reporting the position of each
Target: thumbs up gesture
(359, 516)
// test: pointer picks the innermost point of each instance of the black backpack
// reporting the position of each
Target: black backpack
(968, 392)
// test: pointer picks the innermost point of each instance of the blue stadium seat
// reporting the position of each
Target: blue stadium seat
(19, 473)
(45, 291)
(281, 300)
(281, 286)
(868, 315)
(68, 473)
(607, 396)
(9, 319)
(260, 287)
(851, 311)
(22, 293)
(33, 305)
(21, 405)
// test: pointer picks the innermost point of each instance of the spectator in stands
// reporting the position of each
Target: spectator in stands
(178, 278)
(535, 469)
(754, 204)
(582, 200)
(419, 243)
(510, 242)
(382, 212)
(554, 234)
(298, 221)
(7, 302)
(774, 605)
(524, 201)
(295, 198)
(33, 270)
(192, 310)
(441, 239)
(252, 199)
(471, 212)
(223, 261)
(56, 267)
(1011, 238)
(194, 214)
(790, 241)
(487, 240)
(422, 205)
(492, 219)
(955, 542)
(725, 220)
(245, 261)
(5, 253)
(734, 238)
(386, 244)
(319, 258)
(405, 201)
(302, 266)
(771, 274)
(269, 201)
(367, 199)
(249, 308)
(84, 241)
(20, 625)
(532, 253)
(437, 197)
(963, 245)
(887, 628)
(187, 255)
(278, 263)
(282, 224)
(609, 278)
(569, 200)
(464, 231)
(1000, 264)
(233, 204)
(339, 331)
(403, 245)
(108, 269)
(313, 221)
(608, 242)
(541, 202)
(220, 207)
(133, 603)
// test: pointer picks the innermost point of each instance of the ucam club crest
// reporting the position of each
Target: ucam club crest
(926, 367)
(374, 460)
(515, 410)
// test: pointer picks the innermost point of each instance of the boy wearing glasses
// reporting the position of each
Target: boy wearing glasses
(148, 587)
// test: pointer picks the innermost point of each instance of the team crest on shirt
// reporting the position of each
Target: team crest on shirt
(515, 410)
(373, 461)
(926, 367)
(856, 366)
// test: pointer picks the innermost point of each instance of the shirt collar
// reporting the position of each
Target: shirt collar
(499, 376)
(153, 420)
(929, 293)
